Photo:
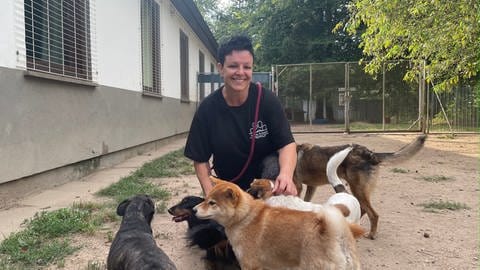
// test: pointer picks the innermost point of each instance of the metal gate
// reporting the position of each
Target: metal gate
(341, 97)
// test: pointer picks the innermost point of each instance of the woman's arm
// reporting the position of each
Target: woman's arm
(287, 160)
(202, 170)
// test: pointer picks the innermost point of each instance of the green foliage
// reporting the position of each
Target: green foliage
(442, 35)
(399, 170)
(287, 31)
(26, 248)
(437, 178)
(43, 241)
(130, 186)
(61, 222)
(170, 165)
(444, 205)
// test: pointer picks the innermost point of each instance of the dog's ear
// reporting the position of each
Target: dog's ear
(122, 207)
(231, 195)
(215, 180)
(149, 210)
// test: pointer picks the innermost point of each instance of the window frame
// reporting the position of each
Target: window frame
(150, 46)
(184, 72)
(58, 39)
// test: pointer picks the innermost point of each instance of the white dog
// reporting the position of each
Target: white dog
(347, 203)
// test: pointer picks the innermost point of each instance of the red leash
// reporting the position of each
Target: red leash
(254, 133)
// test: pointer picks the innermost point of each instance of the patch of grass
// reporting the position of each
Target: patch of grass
(170, 165)
(130, 186)
(28, 248)
(437, 178)
(44, 240)
(443, 205)
(96, 265)
(399, 170)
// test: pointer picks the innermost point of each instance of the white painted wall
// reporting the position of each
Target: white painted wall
(7, 34)
(116, 33)
(171, 24)
(119, 53)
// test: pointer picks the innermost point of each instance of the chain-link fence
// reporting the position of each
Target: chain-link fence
(454, 111)
(316, 97)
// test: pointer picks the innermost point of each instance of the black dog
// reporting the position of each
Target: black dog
(134, 246)
(206, 234)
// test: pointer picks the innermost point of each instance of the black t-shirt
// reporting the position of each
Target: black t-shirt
(225, 132)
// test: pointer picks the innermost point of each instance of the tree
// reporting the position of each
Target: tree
(287, 31)
(442, 35)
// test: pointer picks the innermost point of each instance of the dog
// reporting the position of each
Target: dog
(266, 237)
(134, 246)
(349, 205)
(346, 203)
(207, 234)
(359, 169)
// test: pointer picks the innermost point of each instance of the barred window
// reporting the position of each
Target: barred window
(184, 85)
(57, 37)
(201, 69)
(150, 21)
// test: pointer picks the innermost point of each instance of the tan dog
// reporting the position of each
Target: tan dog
(265, 237)
(359, 169)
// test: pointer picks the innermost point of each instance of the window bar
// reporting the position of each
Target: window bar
(63, 34)
(32, 36)
(75, 38)
(49, 57)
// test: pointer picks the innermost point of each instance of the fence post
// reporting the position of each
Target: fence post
(347, 98)
(421, 99)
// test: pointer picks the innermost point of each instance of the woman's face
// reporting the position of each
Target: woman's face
(237, 70)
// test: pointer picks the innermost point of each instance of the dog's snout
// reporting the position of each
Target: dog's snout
(194, 210)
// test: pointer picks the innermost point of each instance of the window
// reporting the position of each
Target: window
(184, 85)
(57, 37)
(212, 84)
(150, 22)
(201, 69)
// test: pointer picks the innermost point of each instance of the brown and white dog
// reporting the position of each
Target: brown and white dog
(266, 237)
(347, 203)
(359, 169)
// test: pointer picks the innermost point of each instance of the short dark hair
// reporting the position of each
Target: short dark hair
(236, 43)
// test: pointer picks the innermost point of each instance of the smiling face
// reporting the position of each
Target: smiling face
(237, 71)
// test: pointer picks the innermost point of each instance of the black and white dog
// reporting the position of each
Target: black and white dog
(134, 246)
(207, 234)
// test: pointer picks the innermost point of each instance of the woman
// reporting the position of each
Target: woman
(224, 122)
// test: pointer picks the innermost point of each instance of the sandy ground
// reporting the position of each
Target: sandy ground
(408, 236)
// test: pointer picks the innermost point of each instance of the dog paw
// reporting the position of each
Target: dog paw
(371, 235)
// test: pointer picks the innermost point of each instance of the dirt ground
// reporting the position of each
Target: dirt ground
(408, 236)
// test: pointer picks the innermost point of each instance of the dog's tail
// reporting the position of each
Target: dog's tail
(356, 230)
(332, 166)
(403, 153)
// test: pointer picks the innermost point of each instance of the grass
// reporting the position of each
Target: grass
(437, 178)
(399, 170)
(434, 206)
(170, 165)
(45, 239)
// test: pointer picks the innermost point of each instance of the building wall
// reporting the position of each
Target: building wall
(46, 124)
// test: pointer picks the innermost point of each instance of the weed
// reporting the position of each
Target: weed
(399, 170)
(437, 178)
(132, 185)
(443, 205)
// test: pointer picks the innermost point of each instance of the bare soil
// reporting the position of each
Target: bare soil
(408, 236)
